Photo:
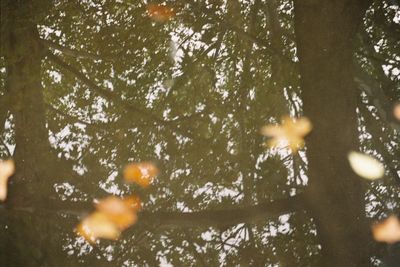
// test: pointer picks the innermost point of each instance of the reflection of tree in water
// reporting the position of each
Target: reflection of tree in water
(101, 85)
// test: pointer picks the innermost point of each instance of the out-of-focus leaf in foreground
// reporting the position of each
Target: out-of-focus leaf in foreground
(98, 225)
(113, 215)
(7, 169)
(119, 211)
(141, 173)
(160, 13)
(396, 111)
(365, 165)
(387, 231)
(290, 132)
(133, 202)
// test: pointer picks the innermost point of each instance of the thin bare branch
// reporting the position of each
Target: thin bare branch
(72, 52)
(144, 114)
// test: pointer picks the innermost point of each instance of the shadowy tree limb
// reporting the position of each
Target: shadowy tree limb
(116, 99)
(226, 216)
(218, 217)
(72, 52)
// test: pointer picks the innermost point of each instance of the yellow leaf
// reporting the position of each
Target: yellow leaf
(98, 225)
(141, 173)
(272, 130)
(300, 127)
(387, 231)
(365, 166)
(120, 211)
(113, 215)
(290, 132)
(7, 169)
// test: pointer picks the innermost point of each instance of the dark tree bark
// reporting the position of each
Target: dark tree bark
(23, 54)
(23, 58)
(324, 34)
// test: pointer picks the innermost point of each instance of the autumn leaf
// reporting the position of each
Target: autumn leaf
(387, 231)
(98, 225)
(7, 169)
(120, 211)
(160, 13)
(291, 132)
(141, 173)
(396, 111)
(365, 165)
(113, 215)
(133, 202)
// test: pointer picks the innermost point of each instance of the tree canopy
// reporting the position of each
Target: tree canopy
(88, 87)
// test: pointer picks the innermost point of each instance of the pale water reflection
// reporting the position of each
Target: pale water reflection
(88, 87)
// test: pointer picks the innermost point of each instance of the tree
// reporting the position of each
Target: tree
(88, 87)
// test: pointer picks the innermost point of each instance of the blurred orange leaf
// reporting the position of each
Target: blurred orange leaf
(387, 231)
(113, 215)
(141, 173)
(119, 211)
(133, 202)
(7, 169)
(396, 111)
(160, 13)
(291, 132)
(98, 225)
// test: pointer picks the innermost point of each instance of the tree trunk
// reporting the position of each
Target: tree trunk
(23, 57)
(32, 183)
(335, 195)
(279, 64)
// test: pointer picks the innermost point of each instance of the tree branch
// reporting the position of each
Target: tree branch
(377, 97)
(72, 52)
(221, 217)
(115, 99)
(227, 216)
(373, 127)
